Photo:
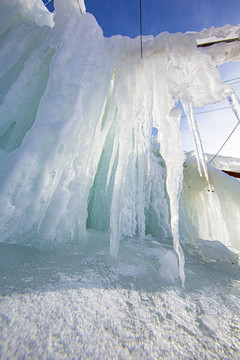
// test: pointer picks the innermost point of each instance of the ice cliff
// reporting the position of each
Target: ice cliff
(77, 112)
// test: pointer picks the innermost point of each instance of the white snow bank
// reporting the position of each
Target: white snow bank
(224, 162)
(217, 251)
(215, 214)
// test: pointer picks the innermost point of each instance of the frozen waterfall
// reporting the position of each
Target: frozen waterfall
(77, 151)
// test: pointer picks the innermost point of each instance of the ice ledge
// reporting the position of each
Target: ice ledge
(34, 11)
(223, 33)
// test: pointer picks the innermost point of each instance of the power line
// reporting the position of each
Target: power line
(48, 2)
(141, 25)
(222, 108)
(232, 79)
(224, 143)
(236, 82)
(207, 111)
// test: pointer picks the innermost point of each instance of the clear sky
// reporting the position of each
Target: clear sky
(122, 17)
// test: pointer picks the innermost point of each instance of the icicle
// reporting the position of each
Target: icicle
(174, 163)
(166, 45)
(191, 116)
(235, 104)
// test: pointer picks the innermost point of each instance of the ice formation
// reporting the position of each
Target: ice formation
(77, 112)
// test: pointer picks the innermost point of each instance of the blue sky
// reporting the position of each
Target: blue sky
(122, 16)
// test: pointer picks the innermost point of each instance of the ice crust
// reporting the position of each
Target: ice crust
(77, 112)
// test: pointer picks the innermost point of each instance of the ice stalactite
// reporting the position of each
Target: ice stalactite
(235, 105)
(174, 158)
(191, 116)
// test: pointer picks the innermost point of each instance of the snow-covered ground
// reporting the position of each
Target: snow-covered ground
(64, 304)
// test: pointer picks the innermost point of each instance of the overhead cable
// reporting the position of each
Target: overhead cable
(224, 143)
(141, 26)
(235, 82)
(207, 111)
(229, 80)
(48, 2)
(77, 1)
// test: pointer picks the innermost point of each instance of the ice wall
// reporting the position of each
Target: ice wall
(77, 112)
(213, 214)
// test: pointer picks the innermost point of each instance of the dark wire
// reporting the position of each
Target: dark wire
(235, 82)
(47, 2)
(232, 79)
(141, 25)
(79, 7)
(224, 143)
(207, 111)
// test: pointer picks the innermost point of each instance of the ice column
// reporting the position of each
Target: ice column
(173, 155)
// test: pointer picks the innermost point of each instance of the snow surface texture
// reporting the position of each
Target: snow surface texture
(66, 304)
(77, 112)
